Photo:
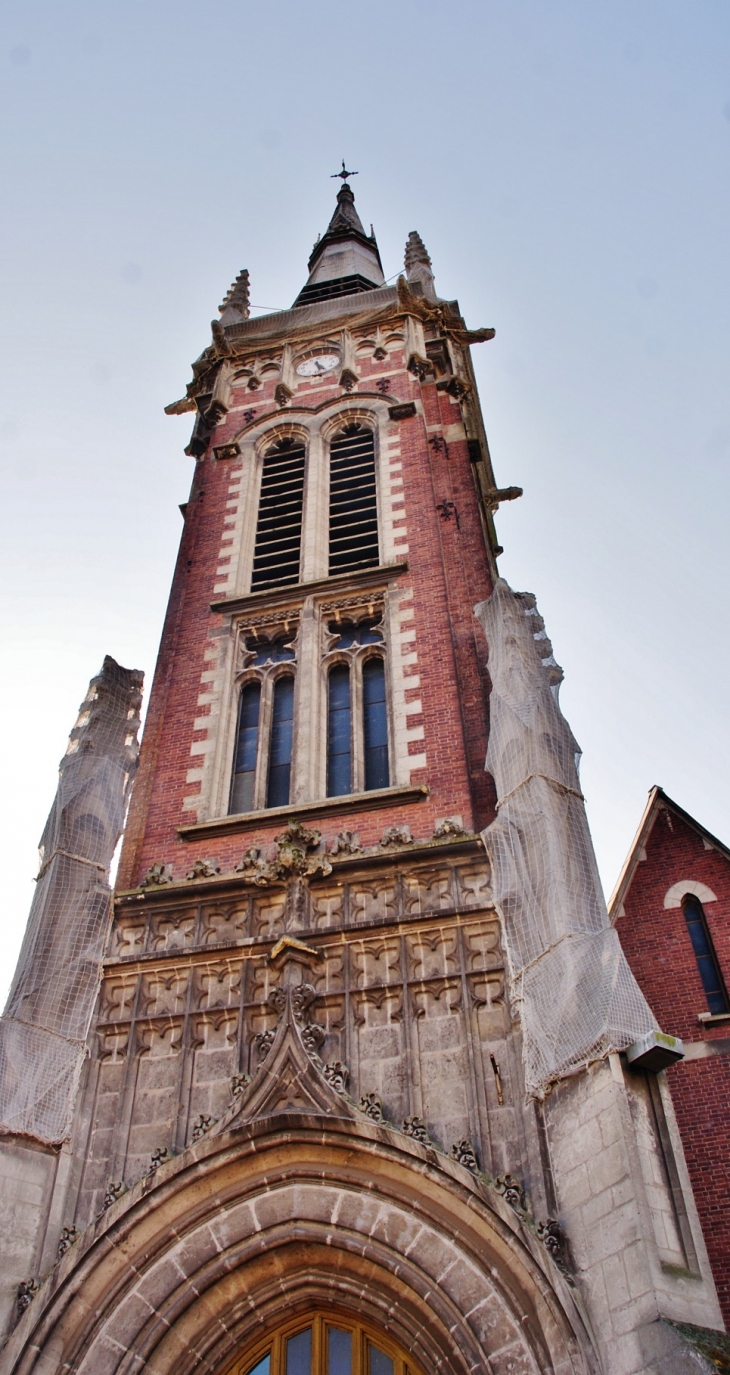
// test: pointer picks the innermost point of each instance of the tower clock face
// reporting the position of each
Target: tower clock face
(314, 367)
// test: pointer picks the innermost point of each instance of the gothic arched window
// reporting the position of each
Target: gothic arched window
(247, 741)
(280, 747)
(262, 757)
(357, 711)
(326, 1345)
(339, 731)
(279, 527)
(353, 501)
(709, 970)
(375, 724)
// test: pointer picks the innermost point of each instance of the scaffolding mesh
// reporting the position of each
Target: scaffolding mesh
(46, 1021)
(569, 978)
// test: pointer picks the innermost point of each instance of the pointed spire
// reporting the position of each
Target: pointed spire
(345, 259)
(418, 264)
(235, 304)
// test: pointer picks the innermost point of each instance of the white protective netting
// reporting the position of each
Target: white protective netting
(570, 980)
(48, 1014)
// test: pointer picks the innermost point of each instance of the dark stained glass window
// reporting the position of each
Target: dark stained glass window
(375, 724)
(339, 736)
(712, 980)
(280, 744)
(244, 768)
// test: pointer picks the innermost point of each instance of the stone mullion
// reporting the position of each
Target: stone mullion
(186, 1066)
(351, 1050)
(306, 751)
(411, 1040)
(264, 739)
(479, 1129)
(315, 515)
(82, 1153)
(242, 993)
(129, 1090)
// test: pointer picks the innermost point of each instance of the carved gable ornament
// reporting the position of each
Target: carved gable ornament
(291, 1077)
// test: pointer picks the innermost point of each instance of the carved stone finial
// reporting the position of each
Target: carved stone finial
(253, 867)
(511, 1190)
(463, 1152)
(293, 857)
(448, 826)
(416, 1128)
(418, 265)
(263, 1043)
(159, 1156)
(203, 868)
(157, 876)
(68, 1236)
(201, 1125)
(555, 1241)
(27, 1290)
(338, 1075)
(346, 843)
(113, 1192)
(396, 835)
(372, 1107)
(235, 305)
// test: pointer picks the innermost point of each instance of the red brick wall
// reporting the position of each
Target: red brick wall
(658, 947)
(449, 572)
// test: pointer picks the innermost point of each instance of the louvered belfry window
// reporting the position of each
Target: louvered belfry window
(279, 528)
(353, 504)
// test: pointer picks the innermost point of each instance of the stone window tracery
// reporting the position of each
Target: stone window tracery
(261, 775)
(357, 708)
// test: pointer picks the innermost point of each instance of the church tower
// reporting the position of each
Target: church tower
(368, 1088)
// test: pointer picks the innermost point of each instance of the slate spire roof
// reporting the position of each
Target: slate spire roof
(345, 260)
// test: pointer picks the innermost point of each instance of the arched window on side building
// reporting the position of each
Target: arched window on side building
(704, 952)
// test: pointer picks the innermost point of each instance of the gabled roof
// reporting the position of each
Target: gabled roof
(656, 802)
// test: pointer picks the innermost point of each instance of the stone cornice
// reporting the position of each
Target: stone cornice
(338, 585)
(327, 806)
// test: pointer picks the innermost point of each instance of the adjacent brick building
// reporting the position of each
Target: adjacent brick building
(671, 908)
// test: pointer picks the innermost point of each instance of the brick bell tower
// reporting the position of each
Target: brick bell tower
(349, 1108)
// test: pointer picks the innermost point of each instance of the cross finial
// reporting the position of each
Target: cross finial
(344, 174)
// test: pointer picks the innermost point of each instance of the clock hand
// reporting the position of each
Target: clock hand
(318, 365)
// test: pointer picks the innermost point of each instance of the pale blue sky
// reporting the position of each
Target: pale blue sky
(567, 164)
